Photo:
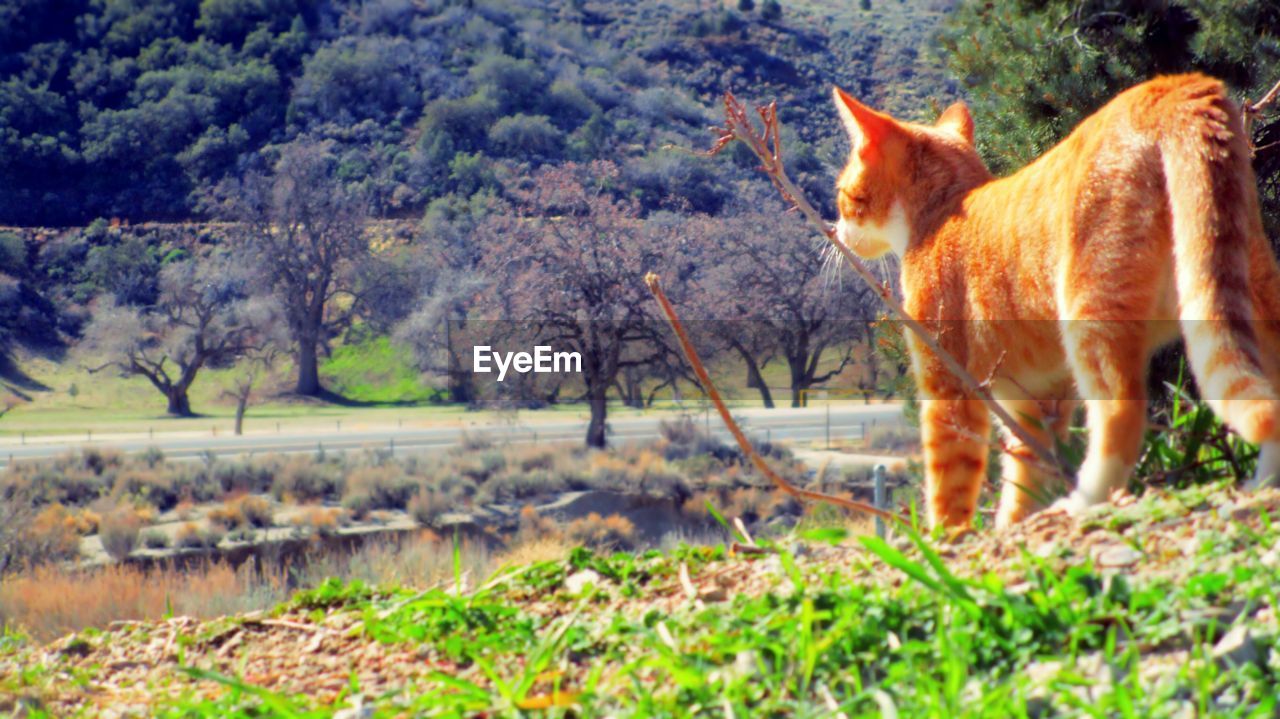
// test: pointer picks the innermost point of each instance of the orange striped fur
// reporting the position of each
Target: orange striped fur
(1061, 280)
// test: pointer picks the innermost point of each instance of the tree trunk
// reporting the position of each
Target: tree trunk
(799, 382)
(755, 379)
(597, 399)
(242, 404)
(179, 403)
(308, 367)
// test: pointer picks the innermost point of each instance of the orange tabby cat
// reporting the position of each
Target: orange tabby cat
(1061, 280)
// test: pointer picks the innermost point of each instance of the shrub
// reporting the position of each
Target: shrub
(86, 522)
(427, 506)
(119, 532)
(153, 486)
(227, 516)
(527, 137)
(303, 479)
(894, 439)
(681, 430)
(193, 483)
(534, 526)
(13, 254)
(242, 512)
(52, 536)
(475, 442)
(614, 532)
(151, 456)
(323, 521)
(378, 487)
(155, 539)
(256, 511)
(192, 536)
(242, 476)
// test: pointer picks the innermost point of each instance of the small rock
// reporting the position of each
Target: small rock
(1236, 648)
(579, 581)
(1046, 550)
(357, 710)
(1118, 555)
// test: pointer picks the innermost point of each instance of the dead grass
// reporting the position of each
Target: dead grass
(48, 601)
(539, 549)
(615, 532)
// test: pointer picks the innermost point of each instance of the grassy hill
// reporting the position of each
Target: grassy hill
(1163, 607)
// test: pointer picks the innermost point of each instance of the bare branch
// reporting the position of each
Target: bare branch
(1253, 109)
(704, 379)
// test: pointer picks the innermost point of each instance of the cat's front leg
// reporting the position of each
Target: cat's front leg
(1115, 427)
(955, 433)
(1028, 483)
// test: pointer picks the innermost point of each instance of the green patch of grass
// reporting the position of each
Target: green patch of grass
(375, 370)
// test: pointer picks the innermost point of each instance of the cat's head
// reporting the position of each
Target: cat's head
(881, 185)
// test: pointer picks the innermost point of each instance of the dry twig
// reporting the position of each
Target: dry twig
(1253, 109)
(750, 451)
(768, 149)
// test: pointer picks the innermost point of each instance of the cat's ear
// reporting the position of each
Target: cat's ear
(957, 120)
(866, 127)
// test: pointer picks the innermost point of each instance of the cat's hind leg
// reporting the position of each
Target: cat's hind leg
(1027, 483)
(956, 436)
(1264, 286)
(1109, 360)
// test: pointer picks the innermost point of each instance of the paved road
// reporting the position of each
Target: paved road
(845, 421)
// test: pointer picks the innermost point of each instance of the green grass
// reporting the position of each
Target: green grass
(375, 371)
(894, 629)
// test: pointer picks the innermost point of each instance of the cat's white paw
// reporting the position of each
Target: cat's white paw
(1073, 505)
(1268, 472)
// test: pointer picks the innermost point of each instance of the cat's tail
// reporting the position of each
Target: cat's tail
(1214, 203)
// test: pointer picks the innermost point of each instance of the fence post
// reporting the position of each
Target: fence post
(879, 474)
(828, 424)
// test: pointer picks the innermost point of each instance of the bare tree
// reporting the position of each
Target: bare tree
(202, 317)
(244, 384)
(769, 279)
(569, 263)
(427, 331)
(303, 229)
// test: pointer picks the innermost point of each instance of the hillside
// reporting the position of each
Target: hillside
(137, 109)
(1163, 607)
